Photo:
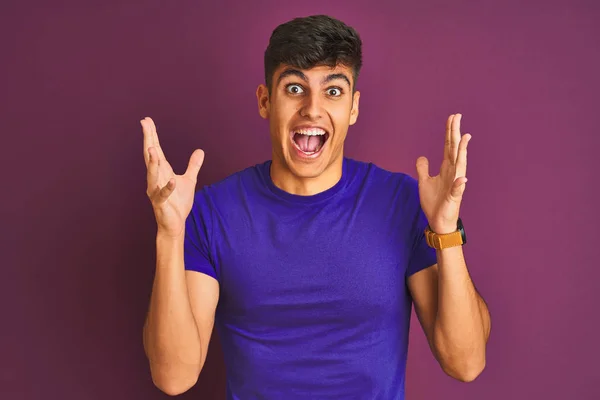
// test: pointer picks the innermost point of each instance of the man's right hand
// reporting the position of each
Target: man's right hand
(171, 195)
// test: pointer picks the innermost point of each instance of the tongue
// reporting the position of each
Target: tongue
(307, 144)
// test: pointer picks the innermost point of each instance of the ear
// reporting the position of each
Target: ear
(264, 105)
(354, 111)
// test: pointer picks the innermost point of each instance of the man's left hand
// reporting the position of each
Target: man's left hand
(441, 195)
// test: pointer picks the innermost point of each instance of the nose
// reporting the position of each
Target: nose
(311, 107)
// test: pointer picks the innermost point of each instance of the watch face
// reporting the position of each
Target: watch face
(461, 228)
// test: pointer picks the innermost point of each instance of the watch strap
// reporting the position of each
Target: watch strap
(442, 241)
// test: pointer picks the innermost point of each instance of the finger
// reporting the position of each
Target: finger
(455, 138)
(152, 171)
(448, 141)
(147, 138)
(155, 142)
(461, 161)
(194, 165)
(161, 195)
(422, 169)
(458, 188)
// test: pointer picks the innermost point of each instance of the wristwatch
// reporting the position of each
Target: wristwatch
(443, 241)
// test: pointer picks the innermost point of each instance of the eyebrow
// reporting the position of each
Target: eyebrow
(300, 74)
(333, 77)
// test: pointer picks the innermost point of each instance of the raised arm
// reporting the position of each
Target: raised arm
(182, 305)
(451, 311)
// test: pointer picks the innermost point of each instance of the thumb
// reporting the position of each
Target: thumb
(194, 165)
(422, 168)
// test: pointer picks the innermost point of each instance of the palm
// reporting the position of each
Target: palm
(171, 195)
(434, 190)
(441, 195)
(172, 212)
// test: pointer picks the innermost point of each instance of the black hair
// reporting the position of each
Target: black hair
(312, 41)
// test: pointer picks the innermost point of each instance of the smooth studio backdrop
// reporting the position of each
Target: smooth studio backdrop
(78, 232)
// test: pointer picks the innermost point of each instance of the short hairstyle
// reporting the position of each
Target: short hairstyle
(312, 41)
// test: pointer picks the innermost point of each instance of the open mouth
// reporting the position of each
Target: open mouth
(310, 141)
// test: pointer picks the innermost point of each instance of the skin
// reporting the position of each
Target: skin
(321, 96)
(182, 307)
(454, 317)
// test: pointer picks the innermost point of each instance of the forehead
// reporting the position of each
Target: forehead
(315, 74)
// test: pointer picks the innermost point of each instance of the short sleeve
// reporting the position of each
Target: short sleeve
(198, 228)
(422, 256)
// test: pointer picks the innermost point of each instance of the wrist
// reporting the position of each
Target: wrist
(442, 229)
(166, 237)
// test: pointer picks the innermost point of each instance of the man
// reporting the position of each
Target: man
(309, 263)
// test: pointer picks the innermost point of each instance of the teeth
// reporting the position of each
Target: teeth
(311, 132)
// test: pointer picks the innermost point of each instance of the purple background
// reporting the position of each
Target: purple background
(78, 231)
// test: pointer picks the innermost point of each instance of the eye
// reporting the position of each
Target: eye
(294, 89)
(334, 92)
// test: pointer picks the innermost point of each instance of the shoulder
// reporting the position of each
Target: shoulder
(224, 196)
(229, 188)
(383, 181)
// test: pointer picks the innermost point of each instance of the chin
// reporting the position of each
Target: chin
(307, 170)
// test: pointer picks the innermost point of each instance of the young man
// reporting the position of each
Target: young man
(309, 263)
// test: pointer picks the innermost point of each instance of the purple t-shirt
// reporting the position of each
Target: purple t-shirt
(314, 302)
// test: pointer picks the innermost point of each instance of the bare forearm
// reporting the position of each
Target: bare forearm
(171, 338)
(462, 324)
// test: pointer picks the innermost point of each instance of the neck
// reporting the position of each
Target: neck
(285, 179)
